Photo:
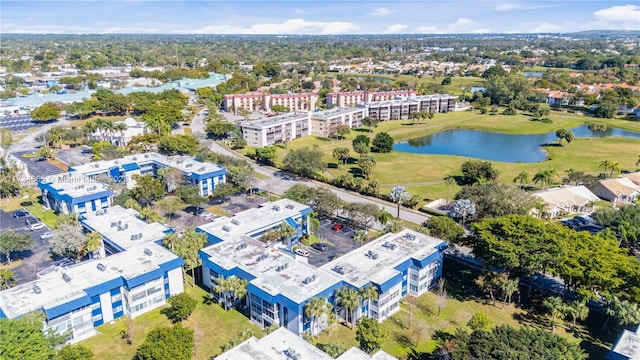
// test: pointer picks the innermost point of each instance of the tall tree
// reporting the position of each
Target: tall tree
(522, 178)
(181, 307)
(350, 300)
(24, 340)
(369, 293)
(14, 242)
(7, 279)
(148, 189)
(175, 343)
(305, 162)
(341, 154)
(68, 241)
(398, 195)
(366, 165)
(45, 112)
(315, 309)
(370, 335)
(556, 309)
(382, 143)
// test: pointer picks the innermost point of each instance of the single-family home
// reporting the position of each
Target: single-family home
(619, 191)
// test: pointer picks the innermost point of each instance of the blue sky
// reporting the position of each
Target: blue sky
(315, 16)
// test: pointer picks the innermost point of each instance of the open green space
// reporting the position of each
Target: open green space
(412, 332)
(456, 87)
(213, 327)
(423, 174)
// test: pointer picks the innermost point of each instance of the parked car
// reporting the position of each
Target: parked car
(20, 213)
(39, 159)
(337, 227)
(302, 252)
(29, 221)
(46, 236)
(319, 246)
(36, 226)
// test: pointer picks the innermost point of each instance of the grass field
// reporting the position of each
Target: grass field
(423, 174)
(456, 86)
(48, 217)
(412, 331)
(213, 327)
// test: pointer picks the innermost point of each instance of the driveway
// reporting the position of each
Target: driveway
(74, 156)
(342, 241)
(34, 260)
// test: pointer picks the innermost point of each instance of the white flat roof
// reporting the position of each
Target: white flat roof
(279, 119)
(273, 347)
(276, 271)
(326, 114)
(253, 220)
(358, 268)
(628, 345)
(122, 226)
(55, 291)
(186, 164)
(75, 185)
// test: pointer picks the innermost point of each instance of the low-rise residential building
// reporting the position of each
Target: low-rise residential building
(122, 229)
(255, 222)
(325, 123)
(353, 98)
(120, 137)
(619, 191)
(277, 129)
(401, 109)
(78, 298)
(205, 175)
(258, 101)
(74, 193)
(280, 283)
(566, 200)
(283, 344)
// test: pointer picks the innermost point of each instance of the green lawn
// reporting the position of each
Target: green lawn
(423, 174)
(413, 329)
(48, 217)
(213, 327)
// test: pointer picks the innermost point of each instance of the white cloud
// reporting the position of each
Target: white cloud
(546, 28)
(620, 13)
(291, 26)
(509, 6)
(462, 25)
(380, 12)
(395, 28)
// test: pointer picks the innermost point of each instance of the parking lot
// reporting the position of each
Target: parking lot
(34, 260)
(342, 241)
(74, 156)
(239, 203)
(37, 169)
(17, 122)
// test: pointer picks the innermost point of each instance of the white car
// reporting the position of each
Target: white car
(46, 236)
(36, 226)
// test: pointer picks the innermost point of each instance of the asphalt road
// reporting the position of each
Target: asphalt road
(34, 260)
(278, 182)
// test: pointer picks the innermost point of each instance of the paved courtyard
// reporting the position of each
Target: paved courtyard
(239, 203)
(342, 241)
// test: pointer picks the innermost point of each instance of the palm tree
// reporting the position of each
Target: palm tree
(606, 165)
(449, 181)
(545, 177)
(508, 288)
(286, 232)
(89, 127)
(230, 288)
(593, 128)
(577, 310)
(555, 306)
(398, 195)
(315, 309)
(92, 242)
(221, 287)
(638, 161)
(369, 293)
(614, 168)
(349, 299)
(383, 217)
(522, 178)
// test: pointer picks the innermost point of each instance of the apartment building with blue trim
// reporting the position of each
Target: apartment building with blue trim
(205, 175)
(76, 299)
(122, 229)
(280, 283)
(255, 222)
(74, 193)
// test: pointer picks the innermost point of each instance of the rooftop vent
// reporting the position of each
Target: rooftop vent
(275, 208)
(409, 236)
(389, 245)
(292, 354)
(179, 162)
(371, 255)
(134, 158)
(235, 222)
(36, 289)
(262, 257)
(241, 246)
(147, 252)
(339, 269)
(101, 267)
(66, 277)
(201, 169)
(146, 156)
(289, 206)
(126, 226)
(226, 228)
(189, 165)
(96, 165)
(282, 267)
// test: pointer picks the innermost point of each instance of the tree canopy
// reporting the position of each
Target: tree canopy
(45, 112)
(475, 171)
(305, 162)
(382, 143)
(174, 343)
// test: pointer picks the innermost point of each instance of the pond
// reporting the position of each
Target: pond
(496, 146)
(374, 78)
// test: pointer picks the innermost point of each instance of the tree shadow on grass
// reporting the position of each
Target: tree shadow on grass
(208, 299)
(459, 281)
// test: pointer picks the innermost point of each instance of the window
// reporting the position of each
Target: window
(117, 309)
(153, 291)
(97, 317)
(139, 307)
(138, 296)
